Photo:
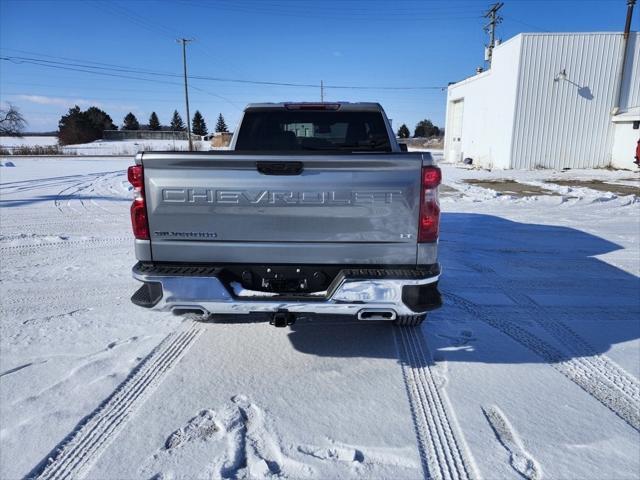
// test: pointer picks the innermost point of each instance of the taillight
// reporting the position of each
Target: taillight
(139, 220)
(429, 222)
(135, 174)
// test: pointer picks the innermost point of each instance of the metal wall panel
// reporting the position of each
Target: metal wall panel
(566, 123)
(630, 99)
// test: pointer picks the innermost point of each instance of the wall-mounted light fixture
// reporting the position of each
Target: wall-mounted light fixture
(562, 75)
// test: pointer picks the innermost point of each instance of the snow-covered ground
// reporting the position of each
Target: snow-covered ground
(28, 141)
(530, 370)
(104, 147)
(131, 147)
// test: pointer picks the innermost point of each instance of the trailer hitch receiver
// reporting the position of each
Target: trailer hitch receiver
(282, 318)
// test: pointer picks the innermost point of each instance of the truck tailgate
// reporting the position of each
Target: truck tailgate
(355, 208)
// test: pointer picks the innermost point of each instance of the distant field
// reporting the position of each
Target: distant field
(28, 141)
(99, 147)
(417, 144)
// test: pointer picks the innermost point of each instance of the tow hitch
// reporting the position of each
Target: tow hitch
(282, 318)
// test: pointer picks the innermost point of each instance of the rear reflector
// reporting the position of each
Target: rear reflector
(139, 221)
(429, 223)
(312, 106)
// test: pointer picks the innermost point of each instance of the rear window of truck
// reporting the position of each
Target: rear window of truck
(284, 130)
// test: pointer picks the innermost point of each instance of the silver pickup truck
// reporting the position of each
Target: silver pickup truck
(315, 209)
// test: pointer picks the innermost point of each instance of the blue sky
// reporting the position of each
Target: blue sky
(373, 43)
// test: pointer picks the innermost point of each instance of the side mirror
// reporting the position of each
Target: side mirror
(403, 147)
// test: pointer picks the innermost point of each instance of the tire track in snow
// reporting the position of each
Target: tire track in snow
(100, 187)
(442, 448)
(85, 445)
(599, 365)
(87, 183)
(105, 293)
(64, 196)
(521, 461)
(86, 243)
(104, 188)
(579, 371)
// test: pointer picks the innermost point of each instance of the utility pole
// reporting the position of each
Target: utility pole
(623, 57)
(627, 24)
(490, 28)
(184, 42)
(321, 91)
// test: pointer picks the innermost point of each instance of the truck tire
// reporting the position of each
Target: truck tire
(410, 320)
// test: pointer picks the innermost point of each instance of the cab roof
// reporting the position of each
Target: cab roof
(341, 106)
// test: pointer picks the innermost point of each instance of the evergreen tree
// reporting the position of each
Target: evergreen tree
(177, 125)
(83, 127)
(130, 122)
(100, 119)
(403, 131)
(221, 125)
(198, 125)
(425, 128)
(154, 122)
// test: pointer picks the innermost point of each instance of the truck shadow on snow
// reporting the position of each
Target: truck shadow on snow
(513, 293)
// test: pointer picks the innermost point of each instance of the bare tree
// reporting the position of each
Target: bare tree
(12, 122)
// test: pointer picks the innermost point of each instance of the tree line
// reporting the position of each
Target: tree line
(79, 126)
(424, 128)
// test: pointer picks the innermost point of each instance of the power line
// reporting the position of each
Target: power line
(118, 10)
(126, 70)
(116, 75)
(157, 27)
(367, 13)
(526, 24)
(80, 97)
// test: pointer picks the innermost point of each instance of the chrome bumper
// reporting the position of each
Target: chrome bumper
(348, 297)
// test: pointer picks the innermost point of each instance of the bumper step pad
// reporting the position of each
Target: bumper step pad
(148, 295)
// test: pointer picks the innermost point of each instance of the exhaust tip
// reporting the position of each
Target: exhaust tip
(376, 314)
(194, 313)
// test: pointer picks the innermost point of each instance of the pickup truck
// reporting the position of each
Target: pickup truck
(314, 210)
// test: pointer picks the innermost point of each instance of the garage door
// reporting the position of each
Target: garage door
(455, 146)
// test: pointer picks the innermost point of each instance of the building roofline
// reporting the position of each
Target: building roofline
(558, 34)
(469, 79)
(533, 34)
(629, 115)
(572, 33)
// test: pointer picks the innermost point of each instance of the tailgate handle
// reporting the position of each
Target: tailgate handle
(280, 168)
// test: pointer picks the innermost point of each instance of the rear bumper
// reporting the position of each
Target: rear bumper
(402, 291)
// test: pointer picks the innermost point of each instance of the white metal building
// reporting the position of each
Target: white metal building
(548, 101)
